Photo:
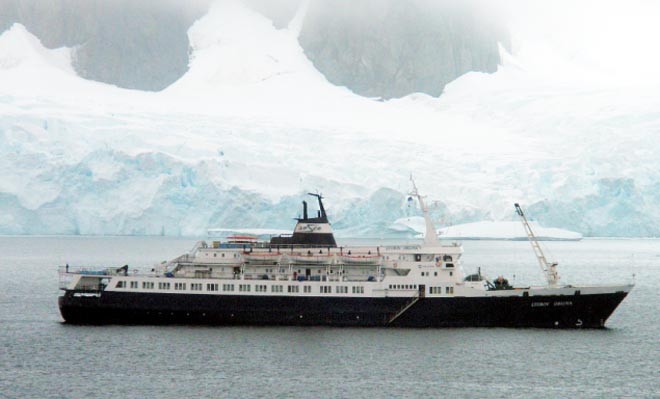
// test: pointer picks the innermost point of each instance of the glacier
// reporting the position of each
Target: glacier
(239, 144)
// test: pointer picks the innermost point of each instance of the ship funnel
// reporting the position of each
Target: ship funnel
(304, 209)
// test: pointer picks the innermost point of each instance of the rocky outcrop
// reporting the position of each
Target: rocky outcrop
(376, 48)
(391, 48)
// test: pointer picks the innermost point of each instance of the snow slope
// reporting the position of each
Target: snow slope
(252, 126)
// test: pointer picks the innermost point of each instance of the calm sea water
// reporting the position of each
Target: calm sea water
(42, 358)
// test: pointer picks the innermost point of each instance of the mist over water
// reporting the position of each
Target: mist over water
(43, 358)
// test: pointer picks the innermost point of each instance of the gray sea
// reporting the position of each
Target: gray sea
(42, 358)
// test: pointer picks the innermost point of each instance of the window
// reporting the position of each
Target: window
(212, 287)
(292, 288)
(163, 286)
(307, 289)
(358, 290)
(180, 286)
(148, 285)
(325, 289)
(449, 290)
(228, 287)
(342, 289)
(436, 290)
(244, 287)
(435, 274)
(276, 288)
(261, 288)
(196, 286)
(451, 274)
(134, 284)
(121, 284)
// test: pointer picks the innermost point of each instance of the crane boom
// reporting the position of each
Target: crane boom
(549, 269)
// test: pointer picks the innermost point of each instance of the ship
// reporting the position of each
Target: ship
(307, 279)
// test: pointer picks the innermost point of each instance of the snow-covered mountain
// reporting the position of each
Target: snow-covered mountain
(237, 143)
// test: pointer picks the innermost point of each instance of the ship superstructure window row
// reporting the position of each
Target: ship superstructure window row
(228, 287)
(212, 287)
(358, 290)
(276, 288)
(293, 288)
(163, 286)
(402, 286)
(261, 288)
(195, 286)
(244, 287)
(342, 289)
(134, 284)
(180, 286)
(121, 284)
(148, 285)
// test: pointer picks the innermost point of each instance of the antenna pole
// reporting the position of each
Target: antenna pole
(549, 269)
(430, 238)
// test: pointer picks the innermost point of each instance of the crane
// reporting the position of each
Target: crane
(549, 269)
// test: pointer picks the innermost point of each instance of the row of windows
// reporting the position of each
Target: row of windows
(438, 290)
(435, 274)
(403, 286)
(214, 287)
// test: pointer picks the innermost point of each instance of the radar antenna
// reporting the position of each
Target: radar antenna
(549, 268)
(430, 237)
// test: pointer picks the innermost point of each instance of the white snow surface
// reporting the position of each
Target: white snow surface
(252, 126)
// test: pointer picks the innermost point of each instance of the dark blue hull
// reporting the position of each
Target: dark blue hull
(580, 311)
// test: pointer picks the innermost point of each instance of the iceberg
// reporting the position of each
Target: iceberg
(488, 230)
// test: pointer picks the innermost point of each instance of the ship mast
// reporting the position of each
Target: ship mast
(549, 269)
(430, 237)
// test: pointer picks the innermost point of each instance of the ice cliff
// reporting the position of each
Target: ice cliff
(253, 125)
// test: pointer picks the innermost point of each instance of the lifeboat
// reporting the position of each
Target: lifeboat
(311, 258)
(268, 258)
(362, 259)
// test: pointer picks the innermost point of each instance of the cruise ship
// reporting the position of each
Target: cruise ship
(307, 279)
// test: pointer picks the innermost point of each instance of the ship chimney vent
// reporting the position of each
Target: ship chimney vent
(304, 209)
